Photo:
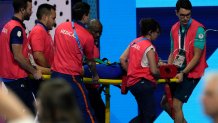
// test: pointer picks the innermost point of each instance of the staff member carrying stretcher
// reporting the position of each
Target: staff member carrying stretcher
(14, 61)
(73, 43)
(188, 52)
(140, 60)
(40, 42)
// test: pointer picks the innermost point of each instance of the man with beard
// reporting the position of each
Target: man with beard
(13, 51)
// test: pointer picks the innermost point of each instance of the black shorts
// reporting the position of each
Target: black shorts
(182, 91)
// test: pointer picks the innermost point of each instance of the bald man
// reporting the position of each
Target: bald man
(210, 96)
(95, 28)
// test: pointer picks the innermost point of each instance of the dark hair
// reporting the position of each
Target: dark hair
(148, 24)
(79, 10)
(186, 4)
(58, 103)
(19, 4)
(44, 9)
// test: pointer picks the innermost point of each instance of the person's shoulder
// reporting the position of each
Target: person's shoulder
(84, 32)
(88, 35)
(201, 29)
(11, 24)
(198, 23)
(16, 31)
(37, 29)
(64, 25)
(175, 25)
(136, 39)
(80, 28)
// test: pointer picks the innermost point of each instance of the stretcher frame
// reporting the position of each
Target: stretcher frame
(107, 83)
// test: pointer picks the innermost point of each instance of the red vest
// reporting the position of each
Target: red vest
(135, 70)
(67, 55)
(198, 70)
(10, 69)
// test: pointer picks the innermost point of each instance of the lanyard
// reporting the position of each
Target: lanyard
(78, 41)
(182, 35)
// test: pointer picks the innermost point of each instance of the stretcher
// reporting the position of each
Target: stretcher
(167, 72)
(108, 82)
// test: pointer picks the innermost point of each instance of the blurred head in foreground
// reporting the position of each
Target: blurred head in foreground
(210, 96)
(57, 103)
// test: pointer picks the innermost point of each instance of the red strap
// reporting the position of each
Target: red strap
(124, 89)
(169, 99)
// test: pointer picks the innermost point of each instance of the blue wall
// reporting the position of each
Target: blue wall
(119, 29)
(119, 26)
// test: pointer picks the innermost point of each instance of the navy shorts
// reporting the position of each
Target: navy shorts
(182, 91)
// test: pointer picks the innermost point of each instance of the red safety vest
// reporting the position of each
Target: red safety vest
(135, 70)
(10, 69)
(198, 70)
(67, 55)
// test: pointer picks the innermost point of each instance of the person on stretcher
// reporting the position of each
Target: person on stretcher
(140, 60)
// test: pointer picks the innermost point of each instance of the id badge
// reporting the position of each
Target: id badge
(179, 60)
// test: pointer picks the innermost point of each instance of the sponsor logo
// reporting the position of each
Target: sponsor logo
(19, 33)
(68, 33)
(201, 36)
(136, 46)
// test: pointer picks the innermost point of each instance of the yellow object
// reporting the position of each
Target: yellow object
(107, 81)
(119, 81)
(107, 105)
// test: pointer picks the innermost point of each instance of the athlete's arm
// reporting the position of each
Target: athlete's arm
(89, 52)
(92, 66)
